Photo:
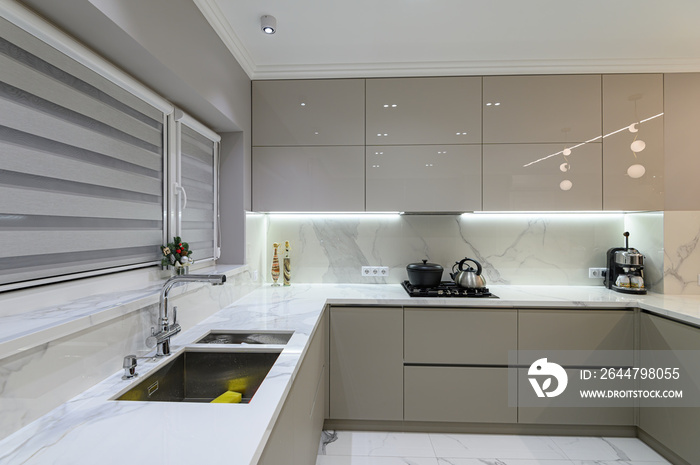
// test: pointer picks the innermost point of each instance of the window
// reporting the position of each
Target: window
(195, 187)
(81, 164)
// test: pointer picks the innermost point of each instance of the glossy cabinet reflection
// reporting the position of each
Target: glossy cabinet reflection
(309, 112)
(308, 179)
(423, 178)
(630, 99)
(509, 185)
(540, 109)
(436, 110)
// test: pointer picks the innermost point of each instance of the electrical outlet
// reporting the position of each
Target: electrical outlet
(596, 272)
(375, 271)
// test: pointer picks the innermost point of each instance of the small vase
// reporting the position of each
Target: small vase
(275, 272)
(182, 270)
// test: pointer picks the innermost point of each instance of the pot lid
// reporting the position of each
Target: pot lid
(424, 266)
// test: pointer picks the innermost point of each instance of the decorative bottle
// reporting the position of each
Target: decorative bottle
(275, 265)
(286, 264)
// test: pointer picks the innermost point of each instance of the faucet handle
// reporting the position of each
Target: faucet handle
(129, 366)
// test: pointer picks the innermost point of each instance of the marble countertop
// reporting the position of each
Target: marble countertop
(92, 428)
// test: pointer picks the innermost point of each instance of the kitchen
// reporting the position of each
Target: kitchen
(552, 249)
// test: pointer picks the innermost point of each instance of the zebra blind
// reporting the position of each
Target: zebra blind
(198, 177)
(81, 166)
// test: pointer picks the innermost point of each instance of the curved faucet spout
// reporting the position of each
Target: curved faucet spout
(165, 328)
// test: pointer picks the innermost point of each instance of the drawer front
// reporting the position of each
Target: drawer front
(543, 332)
(564, 410)
(459, 336)
(457, 394)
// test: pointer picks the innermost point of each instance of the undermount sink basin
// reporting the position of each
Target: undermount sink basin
(201, 376)
(246, 337)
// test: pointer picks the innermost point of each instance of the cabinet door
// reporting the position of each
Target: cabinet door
(460, 394)
(436, 110)
(295, 436)
(674, 427)
(564, 409)
(550, 333)
(459, 335)
(630, 99)
(529, 177)
(309, 112)
(424, 178)
(308, 179)
(540, 109)
(366, 363)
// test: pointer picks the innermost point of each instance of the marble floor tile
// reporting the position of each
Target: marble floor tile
(381, 444)
(595, 450)
(486, 461)
(366, 460)
(635, 449)
(495, 446)
(617, 462)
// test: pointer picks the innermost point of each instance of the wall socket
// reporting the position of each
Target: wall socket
(375, 271)
(596, 272)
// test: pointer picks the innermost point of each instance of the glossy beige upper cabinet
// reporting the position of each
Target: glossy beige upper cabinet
(312, 179)
(540, 109)
(538, 177)
(633, 180)
(309, 112)
(423, 178)
(438, 110)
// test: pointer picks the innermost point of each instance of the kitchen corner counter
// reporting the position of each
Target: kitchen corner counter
(91, 428)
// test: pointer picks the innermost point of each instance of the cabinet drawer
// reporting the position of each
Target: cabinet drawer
(588, 332)
(559, 410)
(459, 336)
(459, 394)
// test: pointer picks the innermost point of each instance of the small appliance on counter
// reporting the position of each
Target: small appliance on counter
(625, 269)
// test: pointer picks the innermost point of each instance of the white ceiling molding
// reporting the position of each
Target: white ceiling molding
(476, 68)
(213, 14)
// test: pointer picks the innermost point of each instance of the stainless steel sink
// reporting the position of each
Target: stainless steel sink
(201, 376)
(246, 337)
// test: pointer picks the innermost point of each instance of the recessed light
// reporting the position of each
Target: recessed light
(386, 106)
(303, 104)
(393, 105)
(488, 104)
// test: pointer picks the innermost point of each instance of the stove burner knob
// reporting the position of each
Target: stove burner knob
(440, 292)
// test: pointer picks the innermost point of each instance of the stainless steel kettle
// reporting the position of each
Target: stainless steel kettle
(469, 278)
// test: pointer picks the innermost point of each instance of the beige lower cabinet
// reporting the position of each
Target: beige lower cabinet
(573, 338)
(457, 394)
(295, 437)
(366, 363)
(675, 427)
(562, 410)
(466, 336)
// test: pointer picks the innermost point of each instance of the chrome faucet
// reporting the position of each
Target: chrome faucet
(161, 338)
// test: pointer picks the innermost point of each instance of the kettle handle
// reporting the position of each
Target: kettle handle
(478, 265)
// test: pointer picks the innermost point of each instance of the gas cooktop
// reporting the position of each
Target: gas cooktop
(446, 289)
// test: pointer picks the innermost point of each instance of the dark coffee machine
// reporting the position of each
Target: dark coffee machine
(625, 269)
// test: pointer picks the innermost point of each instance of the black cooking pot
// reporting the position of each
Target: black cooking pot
(424, 274)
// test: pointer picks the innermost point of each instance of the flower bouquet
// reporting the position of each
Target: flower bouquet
(176, 253)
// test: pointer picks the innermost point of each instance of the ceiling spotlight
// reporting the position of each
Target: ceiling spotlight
(268, 24)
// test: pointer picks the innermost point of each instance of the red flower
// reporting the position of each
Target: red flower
(178, 250)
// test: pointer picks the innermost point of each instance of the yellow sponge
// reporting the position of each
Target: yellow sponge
(228, 397)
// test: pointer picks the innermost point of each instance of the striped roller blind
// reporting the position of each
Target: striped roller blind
(198, 178)
(81, 166)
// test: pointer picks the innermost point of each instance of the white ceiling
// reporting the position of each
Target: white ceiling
(366, 38)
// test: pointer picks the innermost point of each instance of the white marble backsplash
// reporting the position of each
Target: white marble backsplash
(647, 235)
(552, 249)
(682, 252)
